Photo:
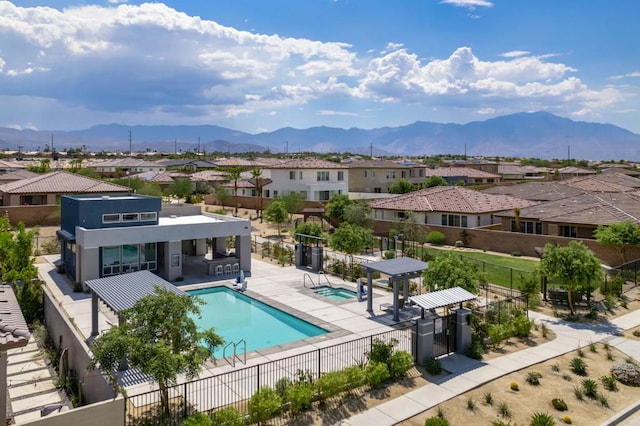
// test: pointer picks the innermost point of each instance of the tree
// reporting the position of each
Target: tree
(448, 269)
(256, 173)
(358, 213)
(619, 235)
(308, 228)
(335, 207)
(401, 186)
(276, 213)
(435, 180)
(350, 239)
(234, 175)
(293, 201)
(222, 195)
(160, 337)
(575, 266)
(180, 188)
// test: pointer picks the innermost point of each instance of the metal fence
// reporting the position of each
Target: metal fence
(498, 310)
(235, 388)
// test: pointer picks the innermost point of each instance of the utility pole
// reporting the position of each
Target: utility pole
(175, 146)
(198, 145)
(371, 150)
(130, 151)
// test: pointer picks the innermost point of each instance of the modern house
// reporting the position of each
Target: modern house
(447, 206)
(318, 180)
(468, 175)
(107, 235)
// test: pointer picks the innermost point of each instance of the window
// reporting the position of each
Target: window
(377, 190)
(148, 216)
(323, 195)
(130, 260)
(340, 176)
(403, 174)
(130, 217)
(300, 175)
(421, 172)
(323, 176)
(275, 193)
(110, 260)
(111, 218)
(391, 174)
(527, 227)
(568, 231)
(454, 220)
(292, 175)
(33, 200)
(369, 174)
(148, 256)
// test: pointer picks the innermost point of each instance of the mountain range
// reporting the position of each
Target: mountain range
(537, 135)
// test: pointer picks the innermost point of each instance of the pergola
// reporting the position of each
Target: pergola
(442, 298)
(400, 269)
(120, 292)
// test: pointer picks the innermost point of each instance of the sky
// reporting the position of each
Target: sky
(256, 65)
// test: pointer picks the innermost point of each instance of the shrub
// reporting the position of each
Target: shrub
(389, 254)
(567, 420)
(559, 404)
(602, 399)
(592, 347)
(281, 387)
(376, 374)
(580, 352)
(514, 386)
(263, 405)
(471, 405)
(475, 350)
(590, 388)
(197, 419)
(578, 392)
(503, 410)
(436, 421)
(497, 333)
(488, 398)
(567, 377)
(459, 243)
(381, 351)
(522, 325)
(533, 378)
(578, 366)
(435, 237)
(353, 376)
(432, 366)
(229, 416)
(544, 330)
(555, 368)
(609, 383)
(542, 419)
(300, 396)
(400, 363)
(330, 384)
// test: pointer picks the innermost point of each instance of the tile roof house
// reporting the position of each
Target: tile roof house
(44, 189)
(536, 191)
(604, 182)
(10, 166)
(469, 175)
(16, 175)
(447, 206)
(572, 171)
(124, 166)
(376, 176)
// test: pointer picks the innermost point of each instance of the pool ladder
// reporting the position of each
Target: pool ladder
(314, 285)
(232, 359)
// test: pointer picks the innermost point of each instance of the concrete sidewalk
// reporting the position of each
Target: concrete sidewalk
(468, 374)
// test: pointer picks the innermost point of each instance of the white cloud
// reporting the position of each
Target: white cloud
(634, 74)
(471, 4)
(340, 113)
(515, 53)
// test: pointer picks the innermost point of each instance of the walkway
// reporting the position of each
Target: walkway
(468, 374)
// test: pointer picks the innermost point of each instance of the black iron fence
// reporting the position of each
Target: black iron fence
(496, 311)
(235, 388)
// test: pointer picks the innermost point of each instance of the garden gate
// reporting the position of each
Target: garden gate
(444, 335)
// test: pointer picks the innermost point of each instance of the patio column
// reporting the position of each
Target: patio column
(396, 297)
(369, 291)
(94, 314)
(405, 292)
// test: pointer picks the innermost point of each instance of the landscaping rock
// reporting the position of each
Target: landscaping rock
(628, 374)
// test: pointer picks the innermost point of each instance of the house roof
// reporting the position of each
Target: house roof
(604, 182)
(306, 163)
(10, 165)
(14, 332)
(238, 162)
(398, 266)
(376, 164)
(127, 162)
(450, 199)
(576, 171)
(586, 209)
(199, 164)
(460, 171)
(60, 183)
(536, 191)
(17, 175)
(211, 175)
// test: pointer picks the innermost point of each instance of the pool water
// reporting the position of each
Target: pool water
(335, 293)
(236, 316)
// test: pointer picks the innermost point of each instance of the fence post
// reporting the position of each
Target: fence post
(319, 363)
(258, 377)
(184, 399)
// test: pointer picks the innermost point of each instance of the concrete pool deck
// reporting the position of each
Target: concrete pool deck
(281, 287)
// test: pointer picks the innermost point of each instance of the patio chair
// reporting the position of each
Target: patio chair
(227, 269)
(219, 270)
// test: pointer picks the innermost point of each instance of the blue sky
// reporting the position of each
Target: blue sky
(261, 65)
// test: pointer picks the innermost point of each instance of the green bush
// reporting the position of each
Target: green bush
(559, 404)
(281, 387)
(435, 237)
(609, 383)
(542, 419)
(400, 363)
(590, 388)
(522, 325)
(330, 384)
(263, 405)
(197, 419)
(578, 366)
(381, 351)
(353, 376)
(389, 254)
(474, 350)
(376, 374)
(432, 366)
(497, 333)
(436, 421)
(229, 416)
(300, 395)
(533, 378)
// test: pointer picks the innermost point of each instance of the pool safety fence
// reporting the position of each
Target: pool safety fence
(235, 388)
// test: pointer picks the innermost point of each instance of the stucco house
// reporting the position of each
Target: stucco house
(468, 175)
(107, 235)
(376, 176)
(447, 206)
(126, 166)
(318, 180)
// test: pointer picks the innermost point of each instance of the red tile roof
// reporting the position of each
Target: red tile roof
(450, 199)
(60, 183)
(460, 171)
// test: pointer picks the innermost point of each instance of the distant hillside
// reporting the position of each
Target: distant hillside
(538, 134)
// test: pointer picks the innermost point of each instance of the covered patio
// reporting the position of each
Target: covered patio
(121, 292)
(400, 270)
(442, 299)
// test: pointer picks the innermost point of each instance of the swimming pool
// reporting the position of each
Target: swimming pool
(335, 293)
(237, 316)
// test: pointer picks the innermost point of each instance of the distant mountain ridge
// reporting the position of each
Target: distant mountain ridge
(538, 134)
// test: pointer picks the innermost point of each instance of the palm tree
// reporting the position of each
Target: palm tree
(234, 174)
(257, 176)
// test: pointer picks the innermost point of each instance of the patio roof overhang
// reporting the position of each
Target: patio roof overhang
(120, 292)
(442, 298)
